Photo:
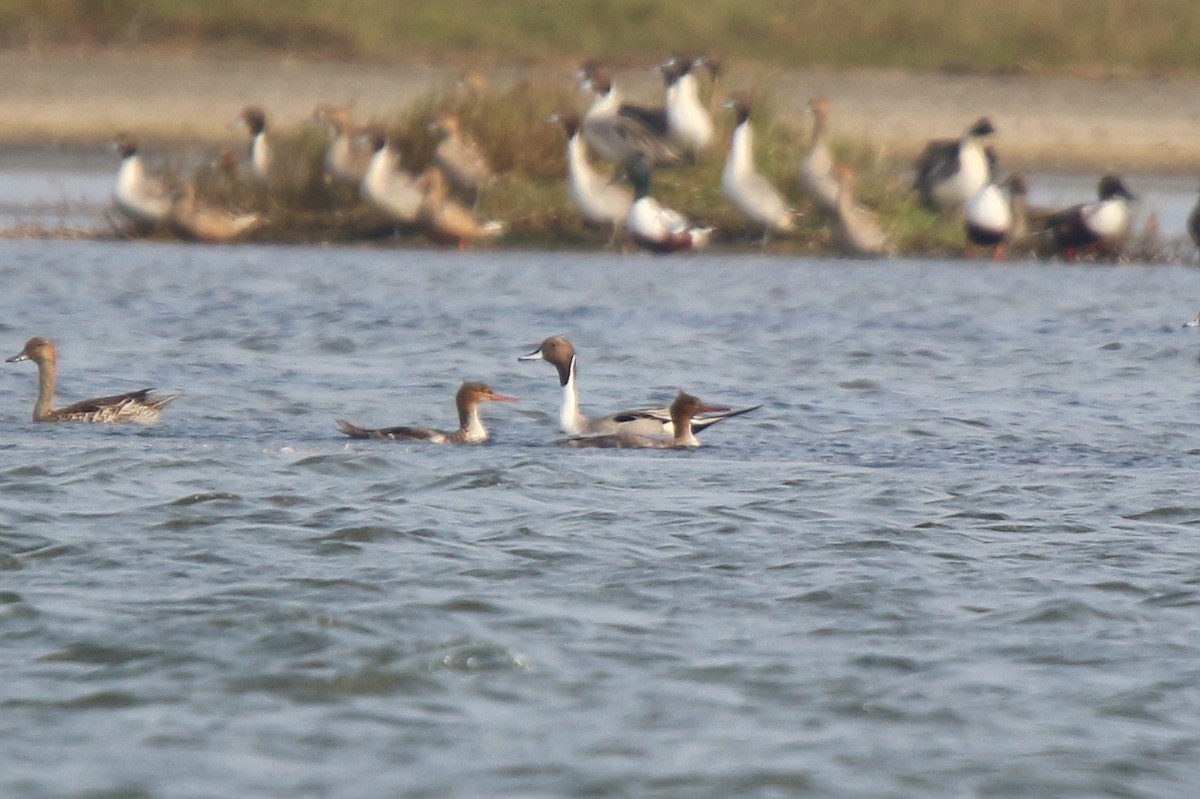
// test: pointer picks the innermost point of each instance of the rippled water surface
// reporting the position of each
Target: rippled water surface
(954, 554)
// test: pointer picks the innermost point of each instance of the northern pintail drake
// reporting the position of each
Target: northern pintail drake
(254, 119)
(998, 215)
(752, 194)
(856, 231)
(137, 195)
(1193, 223)
(386, 187)
(619, 132)
(952, 171)
(659, 229)
(462, 159)
(197, 221)
(601, 201)
(134, 406)
(689, 125)
(817, 176)
(560, 353)
(682, 411)
(1099, 226)
(470, 430)
(348, 154)
(445, 220)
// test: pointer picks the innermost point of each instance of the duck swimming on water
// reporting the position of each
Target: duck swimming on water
(560, 353)
(682, 410)
(134, 406)
(470, 426)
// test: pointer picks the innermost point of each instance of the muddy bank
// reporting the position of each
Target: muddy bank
(1052, 123)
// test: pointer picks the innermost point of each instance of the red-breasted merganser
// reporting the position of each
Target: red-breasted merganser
(470, 425)
(559, 352)
(134, 406)
(952, 171)
(752, 194)
(683, 410)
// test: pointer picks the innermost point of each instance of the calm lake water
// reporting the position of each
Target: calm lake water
(953, 555)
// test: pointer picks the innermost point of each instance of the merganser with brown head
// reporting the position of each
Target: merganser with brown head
(683, 410)
(642, 421)
(470, 426)
(135, 406)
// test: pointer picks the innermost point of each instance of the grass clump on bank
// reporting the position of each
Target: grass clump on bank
(908, 34)
(530, 194)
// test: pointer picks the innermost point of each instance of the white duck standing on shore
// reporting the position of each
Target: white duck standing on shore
(254, 119)
(997, 216)
(143, 199)
(689, 125)
(601, 201)
(952, 171)
(619, 132)
(752, 194)
(386, 187)
(659, 229)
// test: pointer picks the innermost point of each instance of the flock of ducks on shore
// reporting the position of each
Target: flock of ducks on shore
(673, 427)
(956, 177)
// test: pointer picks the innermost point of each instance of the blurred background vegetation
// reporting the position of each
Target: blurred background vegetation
(1086, 36)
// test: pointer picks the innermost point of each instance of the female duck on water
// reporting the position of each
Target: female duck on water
(683, 410)
(135, 406)
(470, 426)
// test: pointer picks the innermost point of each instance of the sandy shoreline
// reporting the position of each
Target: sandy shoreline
(1063, 123)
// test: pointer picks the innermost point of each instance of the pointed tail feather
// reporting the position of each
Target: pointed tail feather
(353, 430)
(702, 422)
